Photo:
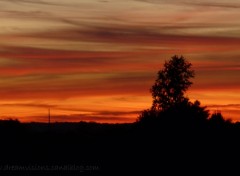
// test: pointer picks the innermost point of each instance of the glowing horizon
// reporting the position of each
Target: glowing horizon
(95, 60)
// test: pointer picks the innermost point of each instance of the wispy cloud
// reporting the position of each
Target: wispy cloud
(41, 2)
(34, 105)
(66, 86)
(225, 106)
(61, 51)
(207, 3)
(158, 34)
(218, 4)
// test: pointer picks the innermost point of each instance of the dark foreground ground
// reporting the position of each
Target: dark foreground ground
(117, 149)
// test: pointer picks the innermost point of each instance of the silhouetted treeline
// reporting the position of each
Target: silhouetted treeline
(177, 140)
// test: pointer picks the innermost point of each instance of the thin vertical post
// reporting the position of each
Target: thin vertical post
(49, 116)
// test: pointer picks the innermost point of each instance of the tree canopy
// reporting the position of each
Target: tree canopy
(172, 82)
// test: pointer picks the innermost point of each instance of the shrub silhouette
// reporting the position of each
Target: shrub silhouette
(217, 118)
(181, 114)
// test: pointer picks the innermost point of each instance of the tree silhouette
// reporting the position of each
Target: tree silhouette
(170, 106)
(171, 84)
(217, 119)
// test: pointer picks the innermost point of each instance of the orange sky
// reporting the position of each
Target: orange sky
(96, 60)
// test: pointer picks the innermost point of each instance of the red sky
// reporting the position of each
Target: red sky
(96, 60)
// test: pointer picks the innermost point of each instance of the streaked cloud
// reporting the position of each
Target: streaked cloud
(97, 60)
(220, 3)
(38, 105)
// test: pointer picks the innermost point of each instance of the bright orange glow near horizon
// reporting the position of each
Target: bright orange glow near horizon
(96, 60)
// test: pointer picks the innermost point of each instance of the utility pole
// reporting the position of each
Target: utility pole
(49, 116)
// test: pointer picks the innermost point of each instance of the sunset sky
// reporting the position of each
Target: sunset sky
(95, 60)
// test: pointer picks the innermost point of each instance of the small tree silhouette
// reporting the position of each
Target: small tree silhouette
(169, 103)
(171, 84)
